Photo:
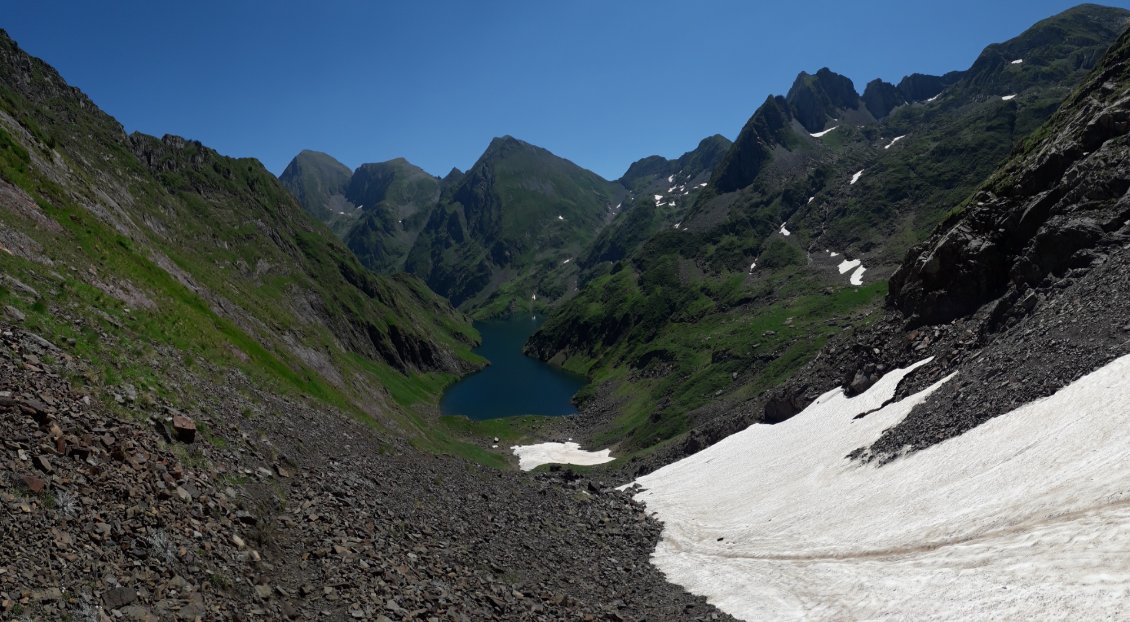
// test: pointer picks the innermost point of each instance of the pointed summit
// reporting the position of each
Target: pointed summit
(769, 126)
(314, 178)
(518, 208)
(397, 180)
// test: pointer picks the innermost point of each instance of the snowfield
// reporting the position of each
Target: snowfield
(1024, 517)
(824, 133)
(533, 456)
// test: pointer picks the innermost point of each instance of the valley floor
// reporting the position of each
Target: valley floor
(1025, 516)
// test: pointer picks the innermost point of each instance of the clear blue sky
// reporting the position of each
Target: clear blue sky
(601, 82)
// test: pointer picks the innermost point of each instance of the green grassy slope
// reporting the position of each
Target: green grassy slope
(502, 234)
(142, 253)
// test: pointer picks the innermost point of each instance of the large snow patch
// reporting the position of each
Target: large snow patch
(533, 456)
(1024, 517)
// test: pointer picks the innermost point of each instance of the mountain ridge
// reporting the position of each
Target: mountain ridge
(792, 243)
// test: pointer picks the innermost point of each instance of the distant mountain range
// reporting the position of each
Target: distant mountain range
(511, 232)
(808, 213)
(494, 237)
(788, 233)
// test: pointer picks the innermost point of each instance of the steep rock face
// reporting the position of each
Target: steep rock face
(394, 199)
(1059, 207)
(812, 102)
(881, 98)
(921, 87)
(814, 99)
(769, 126)
(315, 179)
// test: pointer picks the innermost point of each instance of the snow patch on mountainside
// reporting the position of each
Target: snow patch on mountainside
(533, 456)
(825, 132)
(896, 139)
(1024, 517)
(855, 178)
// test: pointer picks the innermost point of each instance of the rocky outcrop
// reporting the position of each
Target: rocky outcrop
(1028, 287)
(1060, 206)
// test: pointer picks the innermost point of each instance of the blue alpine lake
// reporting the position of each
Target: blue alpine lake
(514, 384)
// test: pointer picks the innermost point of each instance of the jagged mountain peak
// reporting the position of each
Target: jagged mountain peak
(882, 97)
(815, 98)
(769, 125)
(453, 176)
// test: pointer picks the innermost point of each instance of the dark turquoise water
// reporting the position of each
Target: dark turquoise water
(514, 384)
